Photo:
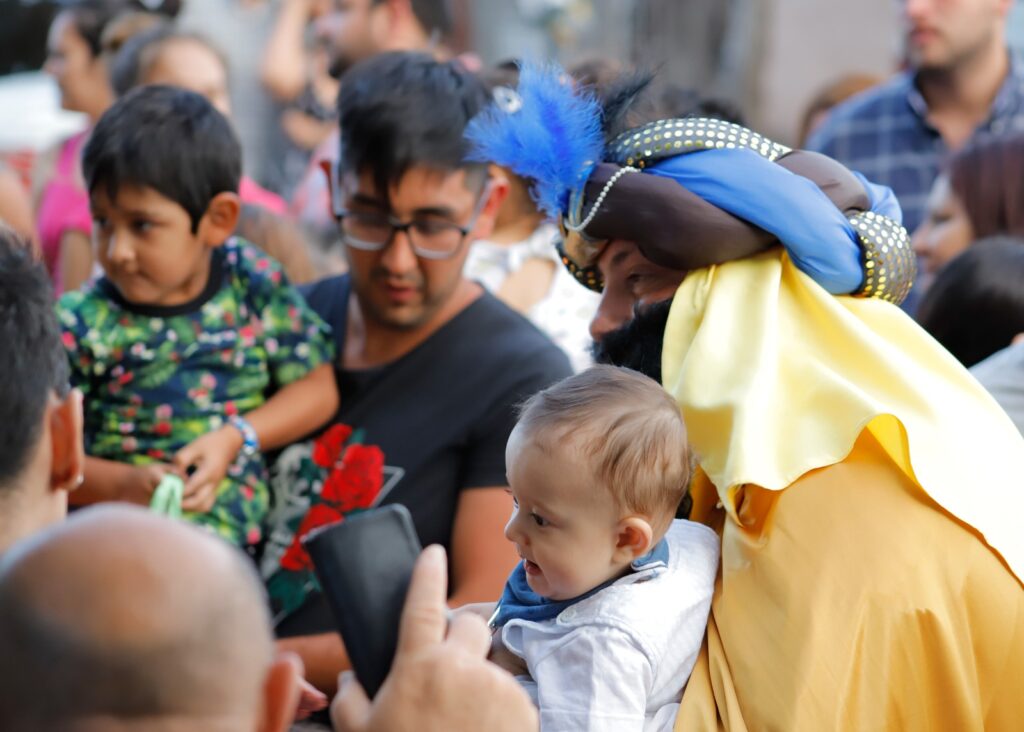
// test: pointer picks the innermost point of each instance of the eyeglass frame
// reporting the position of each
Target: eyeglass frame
(332, 170)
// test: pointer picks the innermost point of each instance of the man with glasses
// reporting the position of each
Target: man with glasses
(431, 366)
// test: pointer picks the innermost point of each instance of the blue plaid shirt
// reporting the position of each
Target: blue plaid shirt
(885, 135)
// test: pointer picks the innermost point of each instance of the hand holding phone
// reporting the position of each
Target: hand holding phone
(364, 564)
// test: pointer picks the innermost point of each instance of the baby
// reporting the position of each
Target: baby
(609, 605)
(193, 352)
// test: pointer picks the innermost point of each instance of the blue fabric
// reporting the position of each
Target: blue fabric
(518, 601)
(816, 234)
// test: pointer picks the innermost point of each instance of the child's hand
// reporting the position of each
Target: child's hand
(211, 455)
(311, 699)
(139, 482)
(483, 610)
(504, 658)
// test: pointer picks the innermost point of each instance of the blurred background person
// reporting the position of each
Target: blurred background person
(295, 72)
(15, 204)
(518, 263)
(975, 306)
(979, 195)
(75, 60)
(352, 31)
(830, 96)
(1003, 375)
(961, 83)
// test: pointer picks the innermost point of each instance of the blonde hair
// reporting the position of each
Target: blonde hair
(626, 427)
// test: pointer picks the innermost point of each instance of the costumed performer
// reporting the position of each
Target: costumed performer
(868, 492)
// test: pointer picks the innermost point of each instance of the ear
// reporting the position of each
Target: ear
(281, 693)
(398, 12)
(220, 219)
(496, 192)
(68, 459)
(634, 538)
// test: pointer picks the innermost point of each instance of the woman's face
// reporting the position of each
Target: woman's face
(945, 232)
(190, 64)
(81, 77)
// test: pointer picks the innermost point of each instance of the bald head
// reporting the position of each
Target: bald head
(123, 616)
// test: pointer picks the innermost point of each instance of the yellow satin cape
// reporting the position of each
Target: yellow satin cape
(776, 377)
(869, 496)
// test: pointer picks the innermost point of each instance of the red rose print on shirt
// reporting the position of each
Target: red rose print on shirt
(353, 480)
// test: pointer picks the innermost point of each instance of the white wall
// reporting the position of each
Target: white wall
(810, 44)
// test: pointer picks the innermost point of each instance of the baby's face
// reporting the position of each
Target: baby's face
(564, 525)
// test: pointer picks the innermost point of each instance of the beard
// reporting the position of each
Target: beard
(637, 344)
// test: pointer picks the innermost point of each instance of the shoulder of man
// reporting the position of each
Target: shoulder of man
(328, 298)
(507, 335)
(869, 106)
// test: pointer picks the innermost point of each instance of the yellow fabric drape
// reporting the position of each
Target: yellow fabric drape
(776, 377)
(869, 496)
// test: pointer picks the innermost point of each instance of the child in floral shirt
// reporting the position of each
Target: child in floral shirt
(193, 352)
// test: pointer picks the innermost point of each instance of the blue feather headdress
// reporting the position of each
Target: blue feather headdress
(551, 136)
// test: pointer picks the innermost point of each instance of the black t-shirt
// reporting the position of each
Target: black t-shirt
(441, 414)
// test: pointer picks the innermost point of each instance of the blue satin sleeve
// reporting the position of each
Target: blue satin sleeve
(816, 234)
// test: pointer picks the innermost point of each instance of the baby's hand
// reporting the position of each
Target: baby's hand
(211, 455)
(140, 481)
(484, 610)
(503, 657)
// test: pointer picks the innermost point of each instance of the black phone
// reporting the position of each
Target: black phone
(364, 564)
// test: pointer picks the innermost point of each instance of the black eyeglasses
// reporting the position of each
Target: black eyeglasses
(430, 238)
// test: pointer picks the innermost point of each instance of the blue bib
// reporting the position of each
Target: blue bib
(519, 601)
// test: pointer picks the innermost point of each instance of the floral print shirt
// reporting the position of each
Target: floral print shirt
(156, 378)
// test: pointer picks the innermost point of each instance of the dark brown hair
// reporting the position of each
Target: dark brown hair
(987, 176)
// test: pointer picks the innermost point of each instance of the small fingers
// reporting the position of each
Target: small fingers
(350, 709)
(201, 498)
(469, 633)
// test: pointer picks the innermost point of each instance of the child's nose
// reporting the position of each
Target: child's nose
(119, 250)
(512, 532)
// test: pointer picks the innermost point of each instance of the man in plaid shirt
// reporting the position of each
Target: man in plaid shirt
(961, 82)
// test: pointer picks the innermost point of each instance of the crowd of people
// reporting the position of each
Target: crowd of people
(700, 431)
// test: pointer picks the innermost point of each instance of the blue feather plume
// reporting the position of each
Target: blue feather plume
(554, 138)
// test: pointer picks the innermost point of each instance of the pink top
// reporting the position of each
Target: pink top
(253, 193)
(64, 206)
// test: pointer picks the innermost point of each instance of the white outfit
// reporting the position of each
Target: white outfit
(619, 659)
(564, 314)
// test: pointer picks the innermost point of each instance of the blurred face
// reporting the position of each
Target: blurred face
(945, 232)
(942, 34)
(189, 64)
(564, 525)
(352, 31)
(81, 77)
(396, 287)
(144, 242)
(630, 279)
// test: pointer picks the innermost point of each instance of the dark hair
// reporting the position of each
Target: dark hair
(975, 306)
(136, 57)
(433, 15)
(91, 17)
(400, 110)
(32, 359)
(167, 139)
(637, 344)
(988, 178)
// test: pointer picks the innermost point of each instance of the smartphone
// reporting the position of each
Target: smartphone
(364, 564)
